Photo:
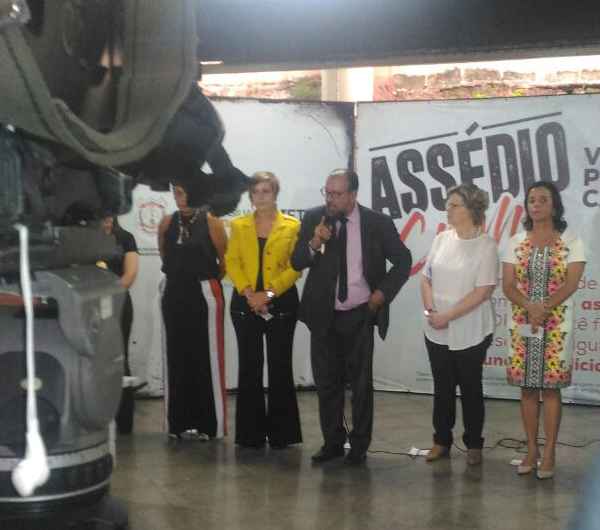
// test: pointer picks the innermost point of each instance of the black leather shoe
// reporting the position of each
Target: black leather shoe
(355, 458)
(327, 453)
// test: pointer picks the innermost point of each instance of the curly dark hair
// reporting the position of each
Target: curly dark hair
(220, 193)
(558, 210)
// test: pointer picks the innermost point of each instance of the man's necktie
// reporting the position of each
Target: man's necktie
(343, 274)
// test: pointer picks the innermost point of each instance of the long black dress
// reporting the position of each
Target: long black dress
(192, 306)
(126, 242)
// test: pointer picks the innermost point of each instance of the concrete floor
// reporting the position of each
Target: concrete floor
(206, 485)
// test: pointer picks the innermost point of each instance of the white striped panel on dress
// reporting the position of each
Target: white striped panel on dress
(213, 295)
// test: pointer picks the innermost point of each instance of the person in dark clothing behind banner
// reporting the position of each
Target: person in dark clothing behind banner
(264, 304)
(126, 268)
(192, 245)
(346, 247)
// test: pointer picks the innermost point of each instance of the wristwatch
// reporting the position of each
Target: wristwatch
(270, 294)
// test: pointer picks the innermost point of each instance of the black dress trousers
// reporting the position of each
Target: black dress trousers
(345, 354)
(277, 419)
(462, 368)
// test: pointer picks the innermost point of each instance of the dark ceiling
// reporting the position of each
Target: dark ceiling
(252, 35)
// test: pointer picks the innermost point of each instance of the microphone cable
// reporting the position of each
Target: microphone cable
(32, 471)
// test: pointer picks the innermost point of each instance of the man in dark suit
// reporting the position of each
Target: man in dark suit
(348, 290)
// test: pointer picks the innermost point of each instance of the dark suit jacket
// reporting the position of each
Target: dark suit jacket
(380, 243)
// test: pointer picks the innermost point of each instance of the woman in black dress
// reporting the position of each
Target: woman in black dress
(192, 244)
(126, 268)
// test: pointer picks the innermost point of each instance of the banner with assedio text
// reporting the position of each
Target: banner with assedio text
(409, 153)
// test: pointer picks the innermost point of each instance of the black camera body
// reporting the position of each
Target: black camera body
(91, 106)
(78, 345)
(58, 203)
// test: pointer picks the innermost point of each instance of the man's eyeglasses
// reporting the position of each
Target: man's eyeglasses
(332, 194)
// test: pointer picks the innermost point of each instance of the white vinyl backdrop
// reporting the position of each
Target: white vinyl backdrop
(300, 143)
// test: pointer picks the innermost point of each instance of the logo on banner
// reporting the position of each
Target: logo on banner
(150, 214)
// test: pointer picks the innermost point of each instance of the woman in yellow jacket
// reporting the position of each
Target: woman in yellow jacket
(264, 303)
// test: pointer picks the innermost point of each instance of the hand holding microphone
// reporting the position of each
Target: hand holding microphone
(323, 233)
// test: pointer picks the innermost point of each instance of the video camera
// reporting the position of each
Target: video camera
(96, 97)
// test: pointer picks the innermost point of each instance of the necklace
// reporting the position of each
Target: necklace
(184, 227)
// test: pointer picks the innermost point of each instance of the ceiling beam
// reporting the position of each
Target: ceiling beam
(255, 35)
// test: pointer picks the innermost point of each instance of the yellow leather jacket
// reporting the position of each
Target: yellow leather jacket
(241, 258)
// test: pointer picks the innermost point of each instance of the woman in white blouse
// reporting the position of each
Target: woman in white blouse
(459, 278)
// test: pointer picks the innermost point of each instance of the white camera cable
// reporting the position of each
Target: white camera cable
(33, 471)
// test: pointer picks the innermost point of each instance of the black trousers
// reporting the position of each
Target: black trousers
(449, 369)
(191, 402)
(125, 413)
(279, 418)
(345, 353)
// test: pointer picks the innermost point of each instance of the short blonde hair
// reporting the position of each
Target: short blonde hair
(264, 176)
(475, 200)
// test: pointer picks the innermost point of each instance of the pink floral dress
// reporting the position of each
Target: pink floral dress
(544, 362)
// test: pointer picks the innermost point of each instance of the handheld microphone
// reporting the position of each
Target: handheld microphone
(330, 222)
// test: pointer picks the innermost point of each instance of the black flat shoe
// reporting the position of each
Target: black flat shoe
(327, 453)
(355, 458)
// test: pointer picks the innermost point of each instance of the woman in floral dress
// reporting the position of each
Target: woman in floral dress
(541, 269)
